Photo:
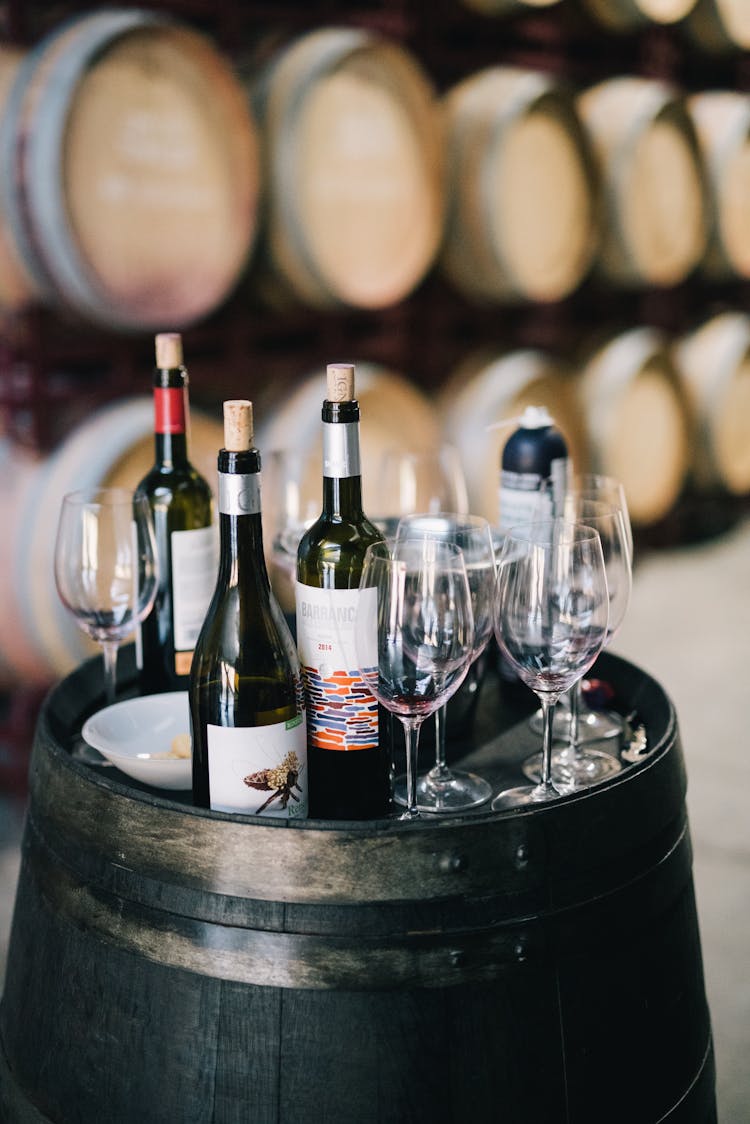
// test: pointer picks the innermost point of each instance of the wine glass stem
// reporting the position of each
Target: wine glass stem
(440, 769)
(548, 714)
(109, 649)
(575, 716)
(411, 734)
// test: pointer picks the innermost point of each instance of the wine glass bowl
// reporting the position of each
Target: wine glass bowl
(418, 481)
(106, 568)
(551, 614)
(414, 634)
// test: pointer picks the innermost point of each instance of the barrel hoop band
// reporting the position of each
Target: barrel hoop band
(411, 959)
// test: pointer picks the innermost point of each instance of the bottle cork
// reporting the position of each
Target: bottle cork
(238, 425)
(168, 350)
(340, 379)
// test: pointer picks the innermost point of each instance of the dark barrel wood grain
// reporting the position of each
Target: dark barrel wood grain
(170, 964)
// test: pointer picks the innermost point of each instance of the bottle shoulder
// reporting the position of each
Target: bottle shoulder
(337, 531)
(241, 626)
(178, 489)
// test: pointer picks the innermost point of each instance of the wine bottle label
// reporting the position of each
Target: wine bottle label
(522, 499)
(341, 450)
(260, 770)
(342, 713)
(559, 478)
(194, 566)
(239, 494)
(170, 409)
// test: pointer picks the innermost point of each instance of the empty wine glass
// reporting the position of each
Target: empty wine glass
(414, 635)
(575, 764)
(551, 611)
(106, 568)
(291, 503)
(442, 789)
(591, 725)
(412, 481)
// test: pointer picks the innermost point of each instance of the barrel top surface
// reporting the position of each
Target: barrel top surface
(386, 860)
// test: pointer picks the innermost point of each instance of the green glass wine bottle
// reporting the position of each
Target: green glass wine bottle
(348, 762)
(246, 702)
(181, 502)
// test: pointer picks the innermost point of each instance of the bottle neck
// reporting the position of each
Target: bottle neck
(342, 497)
(242, 561)
(342, 479)
(171, 417)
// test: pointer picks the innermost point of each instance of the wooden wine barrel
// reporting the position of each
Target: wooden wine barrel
(16, 286)
(722, 120)
(627, 15)
(352, 169)
(720, 26)
(129, 172)
(713, 365)
(636, 420)
(188, 965)
(114, 447)
(491, 388)
(522, 194)
(656, 214)
(507, 7)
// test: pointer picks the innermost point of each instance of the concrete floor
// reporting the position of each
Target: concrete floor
(689, 626)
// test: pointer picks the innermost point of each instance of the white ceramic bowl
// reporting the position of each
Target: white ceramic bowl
(136, 736)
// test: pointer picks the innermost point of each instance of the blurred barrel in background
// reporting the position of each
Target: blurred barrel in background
(129, 171)
(636, 420)
(713, 364)
(39, 639)
(722, 120)
(625, 15)
(352, 167)
(522, 198)
(507, 7)
(490, 388)
(656, 217)
(720, 26)
(16, 286)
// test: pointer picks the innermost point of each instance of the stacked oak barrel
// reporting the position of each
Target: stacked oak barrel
(500, 203)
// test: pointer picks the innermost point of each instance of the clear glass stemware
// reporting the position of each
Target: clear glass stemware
(551, 611)
(442, 789)
(414, 635)
(106, 569)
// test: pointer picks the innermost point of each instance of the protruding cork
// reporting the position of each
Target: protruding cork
(340, 378)
(238, 425)
(168, 350)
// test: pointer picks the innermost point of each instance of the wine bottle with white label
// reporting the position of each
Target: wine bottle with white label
(349, 766)
(247, 709)
(181, 502)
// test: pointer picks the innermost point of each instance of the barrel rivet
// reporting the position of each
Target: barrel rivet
(522, 855)
(452, 864)
(519, 951)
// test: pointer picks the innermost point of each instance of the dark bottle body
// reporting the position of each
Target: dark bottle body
(181, 502)
(349, 765)
(246, 701)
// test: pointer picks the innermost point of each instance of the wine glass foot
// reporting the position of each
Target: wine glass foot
(446, 791)
(593, 725)
(579, 770)
(528, 794)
